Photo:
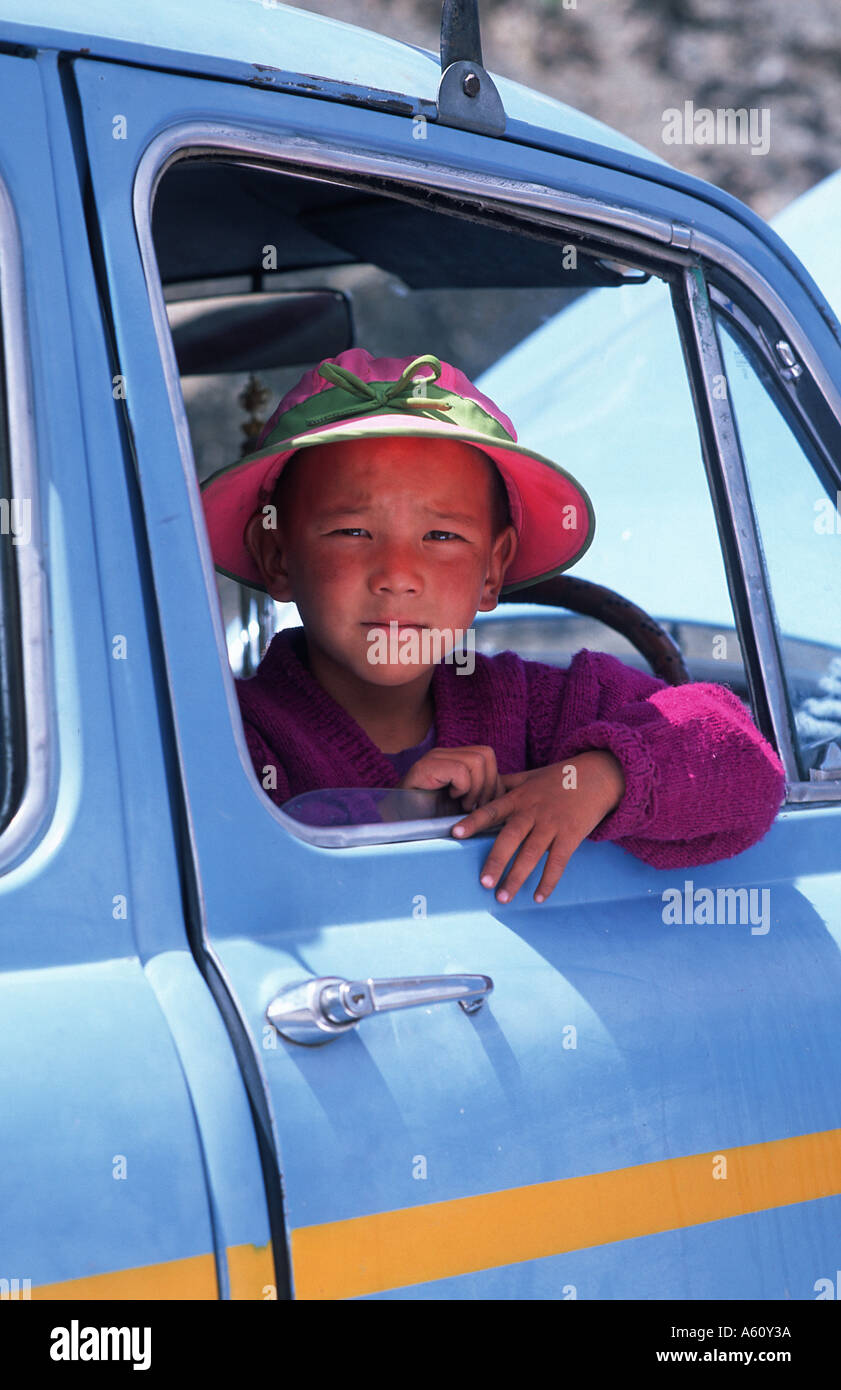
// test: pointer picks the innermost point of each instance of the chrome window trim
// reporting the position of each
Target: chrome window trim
(36, 666)
(396, 832)
(529, 202)
(790, 389)
(741, 517)
(741, 269)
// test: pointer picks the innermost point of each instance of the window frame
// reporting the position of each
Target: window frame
(744, 556)
(34, 676)
(597, 225)
(821, 448)
(786, 390)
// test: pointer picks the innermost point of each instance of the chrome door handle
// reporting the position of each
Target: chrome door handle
(316, 1011)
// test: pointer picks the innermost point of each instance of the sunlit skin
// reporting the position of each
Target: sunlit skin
(399, 529)
(376, 531)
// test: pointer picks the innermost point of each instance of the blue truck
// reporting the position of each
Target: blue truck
(196, 204)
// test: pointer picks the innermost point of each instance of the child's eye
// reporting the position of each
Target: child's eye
(349, 531)
(445, 535)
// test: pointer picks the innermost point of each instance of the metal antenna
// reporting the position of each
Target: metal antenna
(467, 96)
(460, 36)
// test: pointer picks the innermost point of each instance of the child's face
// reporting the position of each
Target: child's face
(381, 530)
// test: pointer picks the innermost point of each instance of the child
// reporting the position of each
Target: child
(390, 500)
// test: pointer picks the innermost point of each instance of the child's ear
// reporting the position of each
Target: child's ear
(264, 545)
(502, 553)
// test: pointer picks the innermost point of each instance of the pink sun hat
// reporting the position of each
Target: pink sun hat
(357, 396)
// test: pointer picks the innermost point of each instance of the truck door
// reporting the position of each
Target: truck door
(634, 1111)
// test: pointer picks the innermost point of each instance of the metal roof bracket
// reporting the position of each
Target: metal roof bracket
(467, 97)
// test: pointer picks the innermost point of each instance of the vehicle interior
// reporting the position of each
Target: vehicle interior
(267, 270)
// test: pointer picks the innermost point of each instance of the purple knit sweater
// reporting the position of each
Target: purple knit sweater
(701, 783)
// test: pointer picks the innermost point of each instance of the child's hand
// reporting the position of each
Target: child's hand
(547, 809)
(469, 773)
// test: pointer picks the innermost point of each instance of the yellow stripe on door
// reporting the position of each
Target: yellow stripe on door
(194, 1277)
(250, 1269)
(415, 1245)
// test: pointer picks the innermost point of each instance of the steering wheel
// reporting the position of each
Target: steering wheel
(595, 601)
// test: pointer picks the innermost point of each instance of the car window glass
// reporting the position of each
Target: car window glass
(800, 530)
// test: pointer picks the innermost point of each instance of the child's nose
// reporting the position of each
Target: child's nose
(396, 570)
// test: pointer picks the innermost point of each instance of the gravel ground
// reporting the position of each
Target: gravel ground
(629, 61)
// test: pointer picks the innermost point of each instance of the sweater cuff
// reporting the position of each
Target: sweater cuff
(636, 809)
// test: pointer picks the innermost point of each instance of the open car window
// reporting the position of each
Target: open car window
(580, 349)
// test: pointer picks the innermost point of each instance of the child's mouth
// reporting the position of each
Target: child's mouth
(386, 623)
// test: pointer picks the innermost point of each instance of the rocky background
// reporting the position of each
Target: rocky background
(628, 61)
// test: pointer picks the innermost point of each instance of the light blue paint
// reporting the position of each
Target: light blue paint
(91, 1069)
(258, 37)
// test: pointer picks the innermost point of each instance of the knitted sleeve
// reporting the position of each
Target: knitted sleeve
(701, 783)
(269, 772)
